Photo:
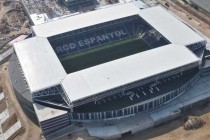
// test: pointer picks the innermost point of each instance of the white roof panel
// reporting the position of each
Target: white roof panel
(169, 26)
(85, 19)
(39, 18)
(126, 70)
(39, 63)
(46, 113)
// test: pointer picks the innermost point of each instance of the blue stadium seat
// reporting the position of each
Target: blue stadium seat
(130, 28)
(113, 37)
(125, 33)
(81, 44)
(91, 36)
(72, 46)
(102, 37)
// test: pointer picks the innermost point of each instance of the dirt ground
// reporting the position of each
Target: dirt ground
(13, 20)
(31, 131)
(174, 130)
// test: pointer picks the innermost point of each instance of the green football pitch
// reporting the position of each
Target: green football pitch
(93, 57)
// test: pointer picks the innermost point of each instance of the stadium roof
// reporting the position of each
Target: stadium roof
(85, 19)
(120, 72)
(169, 26)
(39, 63)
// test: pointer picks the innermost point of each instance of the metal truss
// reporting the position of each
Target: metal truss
(57, 89)
(197, 45)
(132, 110)
(134, 84)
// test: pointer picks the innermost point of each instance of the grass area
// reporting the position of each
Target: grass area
(103, 54)
(99, 48)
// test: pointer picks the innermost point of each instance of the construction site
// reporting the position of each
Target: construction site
(13, 19)
(14, 24)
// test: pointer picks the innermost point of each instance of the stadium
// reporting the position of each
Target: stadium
(112, 63)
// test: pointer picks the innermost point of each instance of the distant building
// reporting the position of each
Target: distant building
(76, 2)
(39, 18)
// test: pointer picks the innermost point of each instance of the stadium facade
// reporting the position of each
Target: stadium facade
(64, 75)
